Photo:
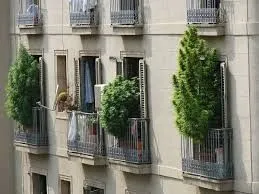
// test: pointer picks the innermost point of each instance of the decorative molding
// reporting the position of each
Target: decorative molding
(36, 51)
(40, 171)
(89, 53)
(135, 54)
(131, 191)
(94, 183)
(61, 53)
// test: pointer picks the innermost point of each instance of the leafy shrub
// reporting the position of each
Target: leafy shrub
(23, 88)
(119, 103)
(196, 96)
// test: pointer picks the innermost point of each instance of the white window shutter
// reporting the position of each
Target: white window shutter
(42, 80)
(77, 82)
(120, 68)
(98, 71)
(224, 99)
(143, 88)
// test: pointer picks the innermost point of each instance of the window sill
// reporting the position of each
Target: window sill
(210, 29)
(216, 185)
(128, 30)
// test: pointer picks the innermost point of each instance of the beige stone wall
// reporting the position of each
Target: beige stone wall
(165, 22)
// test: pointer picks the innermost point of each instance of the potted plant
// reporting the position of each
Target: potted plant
(119, 102)
(23, 89)
(196, 96)
(65, 102)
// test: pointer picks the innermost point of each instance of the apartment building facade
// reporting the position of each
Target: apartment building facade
(74, 39)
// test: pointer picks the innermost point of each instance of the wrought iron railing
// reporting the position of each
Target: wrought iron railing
(134, 147)
(212, 159)
(85, 136)
(29, 13)
(37, 135)
(83, 12)
(29, 19)
(205, 12)
(126, 12)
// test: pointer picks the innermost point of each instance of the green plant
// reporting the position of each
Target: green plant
(65, 102)
(23, 88)
(119, 103)
(196, 96)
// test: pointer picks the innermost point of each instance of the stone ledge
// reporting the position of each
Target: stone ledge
(84, 29)
(210, 29)
(216, 185)
(127, 30)
(31, 149)
(87, 159)
(130, 167)
(30, 30)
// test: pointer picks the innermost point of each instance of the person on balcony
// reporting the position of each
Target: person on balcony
(33, 10)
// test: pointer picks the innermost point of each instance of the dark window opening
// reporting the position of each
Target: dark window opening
(129, 4)
(39, 184)
(93, 190)
(65, 187)
(87, 83)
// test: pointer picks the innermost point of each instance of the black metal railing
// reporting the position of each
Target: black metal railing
(134, 147)
(85, 136)
(29, 13)
(205, 12)
(37, 135)
(126, 12)
(83, 13)
(212, 158)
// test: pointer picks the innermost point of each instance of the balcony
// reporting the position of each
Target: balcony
(210, 164)
(207, 15)
(34, 140)
(29, 19)
(86, 138)
(83, 18)
(126, 17)
(132, 153)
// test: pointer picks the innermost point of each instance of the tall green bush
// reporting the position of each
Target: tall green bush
(119, 103)
(23, 88)
(196, 96)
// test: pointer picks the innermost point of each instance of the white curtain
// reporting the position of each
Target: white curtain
(72, 128)
(82, 5)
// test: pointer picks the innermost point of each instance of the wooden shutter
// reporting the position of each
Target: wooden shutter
(77, 82)
(98, 71)
(143, 88)
(224, 99)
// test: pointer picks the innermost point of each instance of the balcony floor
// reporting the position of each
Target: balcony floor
(130, 167)
(212, 184)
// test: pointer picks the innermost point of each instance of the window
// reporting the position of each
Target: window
(87, 75)
(39, 184)
(65, 187)
(61, 73)
(93, 190)
(129, 4)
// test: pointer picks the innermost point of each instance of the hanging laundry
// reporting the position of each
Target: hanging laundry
(89, 96)
(72, 128)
